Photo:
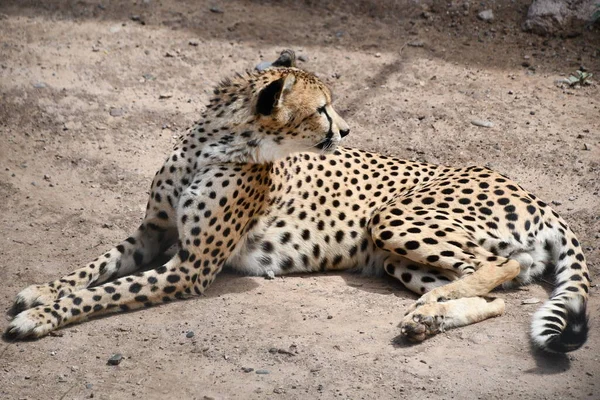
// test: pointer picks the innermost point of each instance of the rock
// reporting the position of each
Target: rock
(482, 123)
(89, 385)
(532, 300)
(486, 15)
(194, 42)
(279, 390)
(302, 58)
(247, 369)
(416, 43)
(556, 202)
(163, 96)
(586, 146)
(39, 85)
(262, 66)
(565, 17)
(190, 334)
(115, 359)
(116, 112)
(262, 372)
(377, 55)
(216, 10)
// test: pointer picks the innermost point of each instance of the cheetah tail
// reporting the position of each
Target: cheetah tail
(561, 324)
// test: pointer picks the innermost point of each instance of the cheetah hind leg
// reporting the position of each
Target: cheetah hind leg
(416, 277)
(433, 318)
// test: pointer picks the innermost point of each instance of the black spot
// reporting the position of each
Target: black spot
(135, 288)
(138, 257)
(433, 258)
(412, 245)
(287, 263)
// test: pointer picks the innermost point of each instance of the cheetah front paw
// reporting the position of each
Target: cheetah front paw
(32, 323)
(418, 326)
(33, 296)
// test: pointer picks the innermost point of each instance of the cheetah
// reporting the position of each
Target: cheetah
(261, 185)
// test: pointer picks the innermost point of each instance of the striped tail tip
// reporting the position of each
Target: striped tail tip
(560, 325)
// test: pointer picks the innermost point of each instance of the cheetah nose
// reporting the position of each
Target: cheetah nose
(344, 132)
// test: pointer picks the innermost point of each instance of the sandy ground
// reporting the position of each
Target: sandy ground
(83, 129)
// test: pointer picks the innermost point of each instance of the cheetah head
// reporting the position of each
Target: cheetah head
(294, 109)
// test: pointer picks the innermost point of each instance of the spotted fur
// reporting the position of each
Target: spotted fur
(259, 185)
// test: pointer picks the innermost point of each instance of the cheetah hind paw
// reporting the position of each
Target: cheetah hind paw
(29, 324)
(33, 296)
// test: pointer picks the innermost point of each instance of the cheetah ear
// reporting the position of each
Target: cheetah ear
(272, 96)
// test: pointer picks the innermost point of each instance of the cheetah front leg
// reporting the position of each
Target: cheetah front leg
(157, 233)
(209, 229)
(152, 238)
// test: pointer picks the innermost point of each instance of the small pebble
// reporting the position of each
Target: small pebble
(486, 15)
(39, 85)
(163, 96)
(416, 43)
(89, 385)
(262, 372)
(586, 146)
(190, 334)
(194, 42)
(270, 275)
(556, 202)
(532, 300)
(279, 390)
(302, 58)
(377, 55)
(216, 10)
(247, 369)
(262, 66)
(482, 123)
(531, 112)
(116, 112)
(330, 317)
(115, 359)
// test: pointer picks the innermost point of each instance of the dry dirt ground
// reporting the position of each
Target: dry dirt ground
(83, 128)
